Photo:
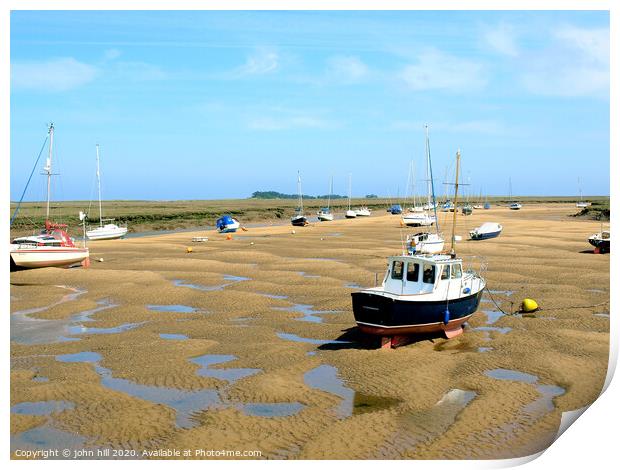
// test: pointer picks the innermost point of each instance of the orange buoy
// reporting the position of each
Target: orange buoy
(189, 249)
(229, 236)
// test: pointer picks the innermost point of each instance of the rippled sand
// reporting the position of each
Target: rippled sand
(247, 344)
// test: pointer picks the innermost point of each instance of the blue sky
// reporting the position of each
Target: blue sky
(203, 105)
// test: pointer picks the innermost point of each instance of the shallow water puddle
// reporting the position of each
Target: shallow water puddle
(353, 286)
(507, 293)
(230, 374)
(492, 316)
(76, 292)
(311, 276)
(604, 315)
(274, 296)
(227, 277)
(325, 378)
(173, 336)
(503, 330)
(185, 403)
(272, 410)
(47, 437)
(538, 407)
(41, 408)
(309, 314)
(172, 308)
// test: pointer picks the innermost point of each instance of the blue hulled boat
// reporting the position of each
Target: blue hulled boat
(227, 224)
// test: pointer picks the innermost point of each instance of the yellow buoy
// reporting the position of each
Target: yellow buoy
(189, 249)
(529, 305)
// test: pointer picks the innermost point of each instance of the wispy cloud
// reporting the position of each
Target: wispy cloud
(346, 69)
(279, 119)
(501, 38)
(576, 64)
(53, 75)
(136, 71)
(111, 54)
(436, 70)
(262, 61)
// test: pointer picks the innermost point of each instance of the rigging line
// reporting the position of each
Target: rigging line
(28, 182)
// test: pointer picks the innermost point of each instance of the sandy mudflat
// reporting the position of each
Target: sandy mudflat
(245, 362)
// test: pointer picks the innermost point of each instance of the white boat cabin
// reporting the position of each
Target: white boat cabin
(436, 276)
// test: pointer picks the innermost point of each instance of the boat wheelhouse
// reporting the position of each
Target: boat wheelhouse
(419, 294)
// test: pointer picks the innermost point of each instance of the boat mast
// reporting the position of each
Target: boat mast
(456, 192)
(48, 170)
(301, 200)
(99, 189)
(349, 191)
(432, 184)
(331, 190)
(428, 164)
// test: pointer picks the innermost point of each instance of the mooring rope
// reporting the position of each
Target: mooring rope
(28, 182)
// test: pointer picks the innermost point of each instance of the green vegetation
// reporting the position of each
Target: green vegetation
(599, 210)
(277, 195)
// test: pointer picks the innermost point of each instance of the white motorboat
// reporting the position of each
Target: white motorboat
(485, 231)
(425, 243)
(418, 219)
(53, 247)
(108, 231)
(362, 212)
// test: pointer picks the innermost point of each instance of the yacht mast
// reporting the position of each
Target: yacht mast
(48, 170)
(99, 189)
(301, 200)
(431, 182)
(456, 192)
(349, 191)
(331, 190)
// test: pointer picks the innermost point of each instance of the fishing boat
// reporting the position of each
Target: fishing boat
(467, 209)
(52, 247)
(107, 231)
(581, 204)
(514, 205)
(601, 240)
(324, 214)
(227, 224)
(485, 231)
(350, 214)
(299, 219)
(420, 293)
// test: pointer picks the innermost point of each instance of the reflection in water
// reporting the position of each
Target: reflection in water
(41, 408)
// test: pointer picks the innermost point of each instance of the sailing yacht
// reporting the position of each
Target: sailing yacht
(299, 219)
(581, 204)
(350, 214)
(417, 215)
(325, 214)
(514, 205)
(53, 247)
(420, 293)
(108, 231)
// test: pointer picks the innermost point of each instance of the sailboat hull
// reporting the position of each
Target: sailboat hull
(45, 257)
(299, 221)
(326, 217)
(107, 232)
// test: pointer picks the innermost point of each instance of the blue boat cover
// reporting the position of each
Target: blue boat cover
(223, 221)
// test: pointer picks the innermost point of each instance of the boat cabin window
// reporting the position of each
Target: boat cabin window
(413, 270)
(429, 274)
(457, 271)
(445, 272)
(397, 270)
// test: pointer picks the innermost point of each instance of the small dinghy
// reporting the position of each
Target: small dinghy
(227, 224)
(426, 242)
(485, 231)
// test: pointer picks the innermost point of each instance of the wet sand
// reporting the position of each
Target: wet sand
(248, 344)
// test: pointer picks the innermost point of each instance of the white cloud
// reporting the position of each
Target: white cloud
(576, 64)
(263, 61)
(347, 68)
(60, 74)
(137, 71)
(436, 70)
(502, 39)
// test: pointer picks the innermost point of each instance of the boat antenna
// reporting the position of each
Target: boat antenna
(28, 182)
(456, 192)
(430, 169)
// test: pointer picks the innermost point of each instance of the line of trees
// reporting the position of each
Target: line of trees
(278, 195)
